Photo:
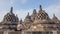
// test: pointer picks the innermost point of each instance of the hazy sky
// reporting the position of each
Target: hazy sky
(22, 7)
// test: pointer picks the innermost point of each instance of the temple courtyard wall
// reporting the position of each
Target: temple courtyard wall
(30, 32)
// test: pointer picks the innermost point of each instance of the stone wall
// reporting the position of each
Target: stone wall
(29, 32)
(1, 32)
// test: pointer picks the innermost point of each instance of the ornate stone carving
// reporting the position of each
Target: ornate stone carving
(36, 22)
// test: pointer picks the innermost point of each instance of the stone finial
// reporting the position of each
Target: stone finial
(34, 11)
(40, 7)
(11, 10)
(54, 17)
(28, 14)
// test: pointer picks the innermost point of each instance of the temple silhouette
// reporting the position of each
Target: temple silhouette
(37, 23)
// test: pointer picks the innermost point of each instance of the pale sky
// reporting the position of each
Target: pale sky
(22, 7)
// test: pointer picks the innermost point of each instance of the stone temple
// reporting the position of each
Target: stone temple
(36, 23)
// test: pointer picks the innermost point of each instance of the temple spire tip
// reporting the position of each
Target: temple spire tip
(11, 10)
(40, 7)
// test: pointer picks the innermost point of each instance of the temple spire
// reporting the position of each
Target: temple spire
(28, 14)
(11, 10)
(54, 15)
(34, 11)
(40, 7)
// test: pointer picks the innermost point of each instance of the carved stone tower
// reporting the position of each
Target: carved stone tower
(34, 14)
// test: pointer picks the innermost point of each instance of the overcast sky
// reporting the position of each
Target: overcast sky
(22, 7)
